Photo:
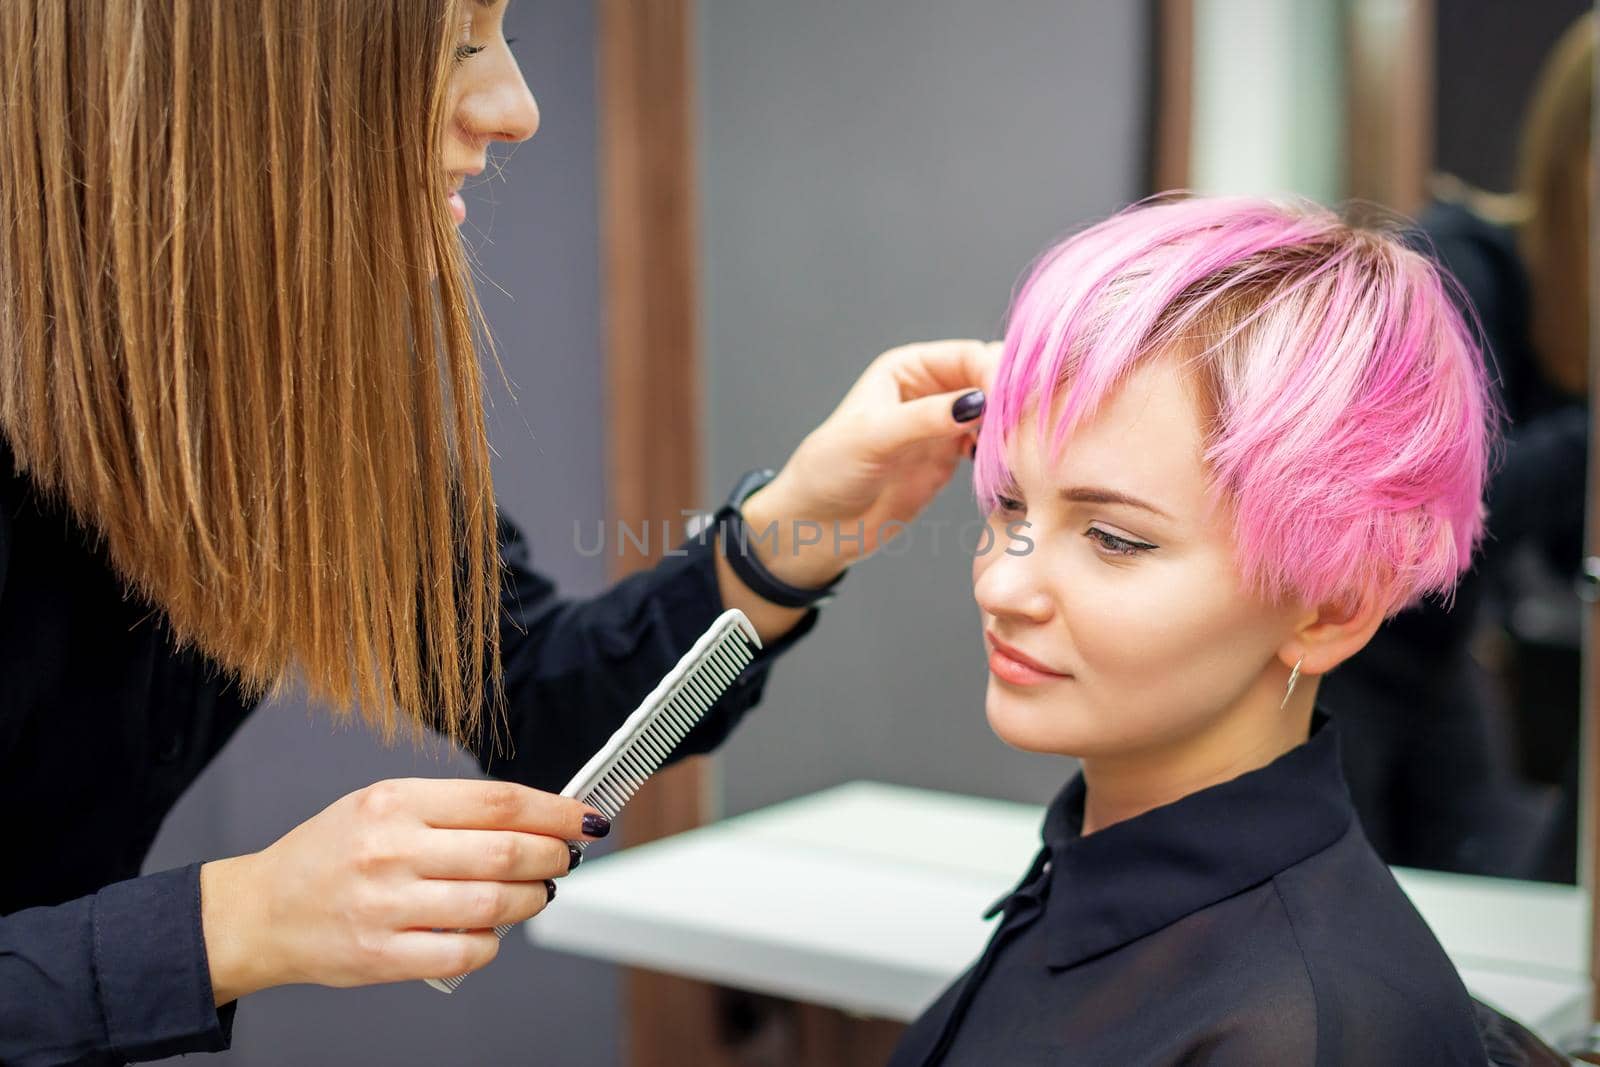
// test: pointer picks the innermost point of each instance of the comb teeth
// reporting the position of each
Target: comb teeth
(684, 707)
(665, 718)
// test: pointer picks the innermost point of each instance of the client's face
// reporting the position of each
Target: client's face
(1129, 604)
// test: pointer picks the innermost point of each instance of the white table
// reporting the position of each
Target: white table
(868, 898)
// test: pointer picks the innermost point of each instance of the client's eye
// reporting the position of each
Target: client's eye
(1110, 544)
(1006, 503)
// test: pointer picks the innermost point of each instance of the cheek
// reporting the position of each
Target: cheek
(453, 116)
(990, 547)
(980, 563)
(1166, 644)
(1158, 650)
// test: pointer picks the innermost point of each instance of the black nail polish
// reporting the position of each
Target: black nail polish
(968, 406)
(549, 888)
(574, 856)
(596, 825)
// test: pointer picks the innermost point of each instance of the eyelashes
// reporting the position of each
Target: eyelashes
(465, 52)
(1117, 546)
(1106, 542)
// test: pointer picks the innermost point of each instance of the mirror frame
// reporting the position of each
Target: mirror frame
(1389, 97)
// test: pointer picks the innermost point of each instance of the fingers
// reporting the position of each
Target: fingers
(493, 856)
(943, 366)
(943, 415)
(942, 392)
(465, 804)
(435, 903)
(442, 953)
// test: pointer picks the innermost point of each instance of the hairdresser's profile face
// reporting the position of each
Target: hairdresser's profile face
(489, 101)
(1133, 608)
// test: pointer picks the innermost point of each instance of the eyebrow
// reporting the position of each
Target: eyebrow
(1092, 494)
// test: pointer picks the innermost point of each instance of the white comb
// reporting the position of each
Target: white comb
(647, 737)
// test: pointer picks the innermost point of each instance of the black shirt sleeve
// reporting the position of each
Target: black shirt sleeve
(576, 667)
(118, 976)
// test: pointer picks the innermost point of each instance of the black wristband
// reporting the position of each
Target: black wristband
(731, 530)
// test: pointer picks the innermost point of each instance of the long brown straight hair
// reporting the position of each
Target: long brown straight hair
(237, 334)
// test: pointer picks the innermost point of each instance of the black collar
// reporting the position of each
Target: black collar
(1137, 876)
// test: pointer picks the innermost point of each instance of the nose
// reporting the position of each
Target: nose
(1011, 586)
(501, 107)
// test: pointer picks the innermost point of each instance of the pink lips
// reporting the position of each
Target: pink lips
(1010, 665)
(458, 206)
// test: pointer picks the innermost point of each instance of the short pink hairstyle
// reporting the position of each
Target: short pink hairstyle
(1350, 422)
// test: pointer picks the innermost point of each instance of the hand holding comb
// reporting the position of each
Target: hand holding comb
(647, 737)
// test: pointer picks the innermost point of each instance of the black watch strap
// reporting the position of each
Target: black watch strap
(738, 548)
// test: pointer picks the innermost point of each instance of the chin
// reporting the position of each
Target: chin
(1037, 721)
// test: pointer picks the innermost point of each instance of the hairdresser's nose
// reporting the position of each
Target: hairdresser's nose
(1009, 582)
(499, 107)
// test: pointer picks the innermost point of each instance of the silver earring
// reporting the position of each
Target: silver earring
(1294, 676)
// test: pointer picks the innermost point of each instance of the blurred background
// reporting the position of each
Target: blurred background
(868, 172)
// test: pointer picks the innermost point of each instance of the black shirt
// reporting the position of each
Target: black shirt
(1247, 923)
(103, 725)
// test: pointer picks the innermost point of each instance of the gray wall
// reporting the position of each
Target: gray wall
(875, 173)
(290, 761)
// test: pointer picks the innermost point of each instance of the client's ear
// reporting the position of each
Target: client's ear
(1329, 634)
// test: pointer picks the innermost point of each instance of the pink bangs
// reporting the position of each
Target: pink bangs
(1352, 427)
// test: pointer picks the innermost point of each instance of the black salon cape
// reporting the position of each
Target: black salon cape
(1246, 924)
(103, 726)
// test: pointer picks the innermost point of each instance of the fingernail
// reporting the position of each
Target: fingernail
(550, 888)
(968, 406)
(596, 825)
(574, 856)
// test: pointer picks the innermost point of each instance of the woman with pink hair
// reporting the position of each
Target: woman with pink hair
(1232, 436)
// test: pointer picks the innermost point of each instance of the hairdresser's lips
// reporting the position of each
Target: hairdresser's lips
(1011, 665)
(458, 206)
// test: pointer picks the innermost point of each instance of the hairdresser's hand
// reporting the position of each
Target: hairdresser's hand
(374, 888)
(887, 450)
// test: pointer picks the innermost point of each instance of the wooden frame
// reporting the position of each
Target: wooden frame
(651, 298)
(1171, 106)
(1389, 132)
(653, 418)
(653, 376)
(1390, 99)
(1589, 736)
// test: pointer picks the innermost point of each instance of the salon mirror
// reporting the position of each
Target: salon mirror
(864, 175)
(1461, 726)
(873, 174)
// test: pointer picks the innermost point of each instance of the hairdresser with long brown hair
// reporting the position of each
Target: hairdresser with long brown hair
(242, 445)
